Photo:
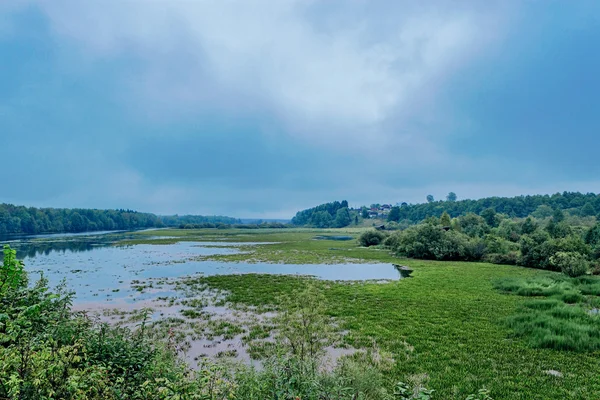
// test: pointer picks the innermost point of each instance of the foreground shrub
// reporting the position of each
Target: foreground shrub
(372, 238)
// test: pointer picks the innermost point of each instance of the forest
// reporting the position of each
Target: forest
(539, 206)
(31, 220)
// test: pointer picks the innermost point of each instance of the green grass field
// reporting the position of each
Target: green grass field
(447, 325)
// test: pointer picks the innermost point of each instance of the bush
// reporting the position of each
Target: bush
(372, 238)
(534, 252)
(475, 249)
(570, 263)
(510, 258)
(595, 268)
(392, 240)
(431, 242)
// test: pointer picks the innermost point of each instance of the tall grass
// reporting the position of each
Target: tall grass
(560, 314)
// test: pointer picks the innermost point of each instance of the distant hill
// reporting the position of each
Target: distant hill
(31, 220)
(328, 215)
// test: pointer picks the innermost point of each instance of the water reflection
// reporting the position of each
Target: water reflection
(32, 246)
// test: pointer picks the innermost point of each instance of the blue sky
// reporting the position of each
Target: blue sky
(260, 108)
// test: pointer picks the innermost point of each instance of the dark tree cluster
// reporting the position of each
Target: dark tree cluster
(208, 225)
(31, 220)
(328, 215)
(205, 221)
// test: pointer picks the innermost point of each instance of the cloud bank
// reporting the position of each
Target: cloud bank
(258, 108)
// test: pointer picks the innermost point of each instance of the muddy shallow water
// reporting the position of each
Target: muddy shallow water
(95, 269)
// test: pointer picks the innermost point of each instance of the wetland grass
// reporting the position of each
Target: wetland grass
(456, 327)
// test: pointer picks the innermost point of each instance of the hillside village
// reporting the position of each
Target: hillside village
(375, 211)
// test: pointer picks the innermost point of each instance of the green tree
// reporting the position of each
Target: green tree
(451, 197)
(342, 217)
(592, 236)
(445, 219)
(558, 229)
(473, 225)
(430, 198)
(588, 210)
(558, 216)
(509, 230)
(529, 226)
(534, 252)
(364, 212)
(321, 219)
(542, 211)
(77, 222)
(394, 214)
(12, 274)
(489, 215)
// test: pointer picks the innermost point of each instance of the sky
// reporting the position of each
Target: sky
(260, 108)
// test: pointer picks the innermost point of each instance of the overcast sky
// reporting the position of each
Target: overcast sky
(261, 108)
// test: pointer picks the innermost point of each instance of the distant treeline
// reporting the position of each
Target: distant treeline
(31, 220)
(328, 215)
(177, 220)
(539, 206)
(264, 225)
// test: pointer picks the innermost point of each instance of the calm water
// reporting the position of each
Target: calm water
(95, 269)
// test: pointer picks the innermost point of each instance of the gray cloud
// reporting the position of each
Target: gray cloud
(251, 108)
(325, 69)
